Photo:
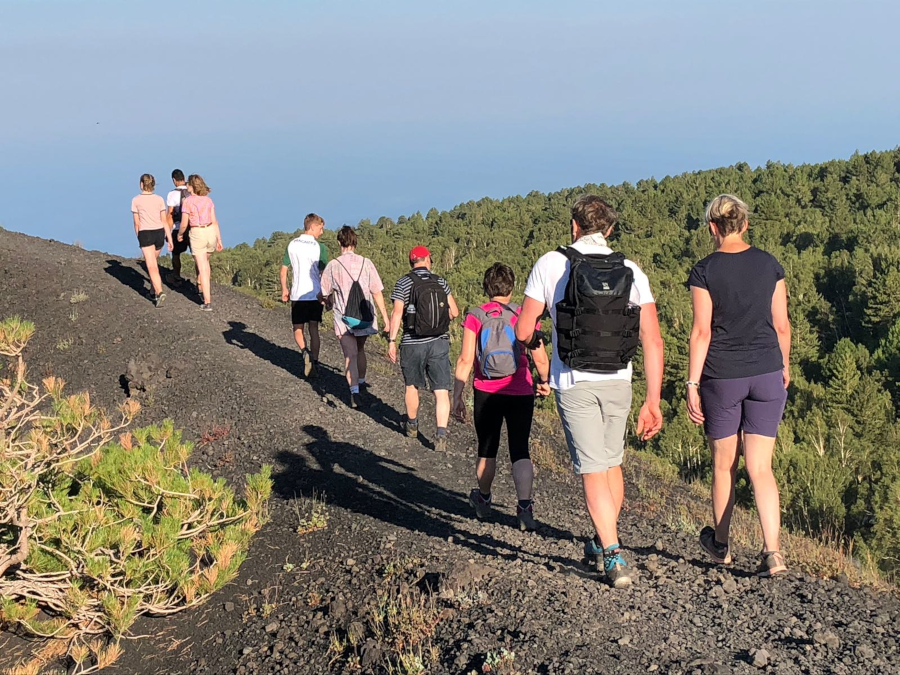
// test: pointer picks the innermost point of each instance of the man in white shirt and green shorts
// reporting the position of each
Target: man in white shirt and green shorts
(595, 335)
(307, 258)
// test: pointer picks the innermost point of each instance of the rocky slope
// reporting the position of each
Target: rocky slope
(400, 567)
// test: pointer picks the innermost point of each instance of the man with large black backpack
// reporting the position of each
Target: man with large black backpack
(602, 310)
(424, 306)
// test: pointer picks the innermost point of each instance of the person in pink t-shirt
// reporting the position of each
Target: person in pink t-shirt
(198, 220)
(148, 211)
(337, 284)
(500, 397)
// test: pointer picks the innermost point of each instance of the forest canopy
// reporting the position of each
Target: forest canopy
(833, 226)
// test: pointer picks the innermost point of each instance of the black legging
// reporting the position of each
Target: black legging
(490, 412)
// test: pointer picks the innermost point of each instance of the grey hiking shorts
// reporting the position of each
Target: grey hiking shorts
(594, 417)
(426, 364)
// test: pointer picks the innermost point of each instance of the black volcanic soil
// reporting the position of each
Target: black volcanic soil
(399, 518)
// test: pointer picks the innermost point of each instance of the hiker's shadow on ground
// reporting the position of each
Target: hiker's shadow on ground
(366, 483)
(127, 276)
(140, 283)
(329, 382)
(189, 290)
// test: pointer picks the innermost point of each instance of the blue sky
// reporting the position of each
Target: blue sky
(361, 109)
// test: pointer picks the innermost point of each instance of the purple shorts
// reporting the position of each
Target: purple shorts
(753, 405)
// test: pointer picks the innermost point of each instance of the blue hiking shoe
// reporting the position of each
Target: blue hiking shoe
(593, 551)
(614, 566)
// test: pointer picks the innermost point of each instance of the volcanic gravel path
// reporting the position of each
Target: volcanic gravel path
(398, 515)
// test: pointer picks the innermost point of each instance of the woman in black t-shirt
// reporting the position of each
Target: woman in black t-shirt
(739, 373)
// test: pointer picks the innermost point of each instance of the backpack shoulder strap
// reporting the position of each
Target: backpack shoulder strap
(571, 253)
(338, 261)
(479, 313)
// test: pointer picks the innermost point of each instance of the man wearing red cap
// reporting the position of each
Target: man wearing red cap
(424, 306)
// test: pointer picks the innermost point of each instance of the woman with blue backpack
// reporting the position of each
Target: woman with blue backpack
(504, 391)
(352, 287)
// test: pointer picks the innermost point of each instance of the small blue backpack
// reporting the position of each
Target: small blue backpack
(497, 350)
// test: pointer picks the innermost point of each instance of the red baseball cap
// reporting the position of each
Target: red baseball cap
(419, 252)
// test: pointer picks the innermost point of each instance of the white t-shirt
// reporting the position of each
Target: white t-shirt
(173, 199)
(547, 284)
(305, 253)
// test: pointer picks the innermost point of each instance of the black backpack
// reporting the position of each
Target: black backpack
(597, 328)
(176, 210)
(428, 310)
(358, 311)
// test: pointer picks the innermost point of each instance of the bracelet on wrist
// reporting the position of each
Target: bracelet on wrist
(691, 383)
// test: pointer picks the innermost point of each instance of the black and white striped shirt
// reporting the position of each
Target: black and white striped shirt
(401, 292)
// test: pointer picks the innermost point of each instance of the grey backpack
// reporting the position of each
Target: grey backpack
(497, 350)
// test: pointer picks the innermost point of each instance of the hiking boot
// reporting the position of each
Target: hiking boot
(593, 551)
(525, 516)
(206, 307)
(771, 564)
(440, 443)
(307, 362)
(721, 555)
(355, 402)
(481, 505)
(616, 568)
(412, 430)
(158, 300)
(614, 565)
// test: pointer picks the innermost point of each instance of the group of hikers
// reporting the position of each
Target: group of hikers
(601, 308)
(187, 217)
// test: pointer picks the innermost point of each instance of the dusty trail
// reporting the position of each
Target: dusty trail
(398, 515)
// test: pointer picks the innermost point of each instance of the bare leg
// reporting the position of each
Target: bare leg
(616, 487)
(362, 362)
(350, 348)
(485, 470)
(314, 342)
(412, 403)
(150, 260)
(601, 506)
(442, 406)
(758, 459)
(176, 265)
(725, 457)
(523, 477)
(203, 274)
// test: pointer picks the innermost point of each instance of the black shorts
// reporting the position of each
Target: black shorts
(306, 311)
(490, 412)
(155, 238)
(179, 247)
(426, 364)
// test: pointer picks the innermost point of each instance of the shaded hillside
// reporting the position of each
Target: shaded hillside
(833, 226)
(393, 534)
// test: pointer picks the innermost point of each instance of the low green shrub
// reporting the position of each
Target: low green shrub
(99, 525)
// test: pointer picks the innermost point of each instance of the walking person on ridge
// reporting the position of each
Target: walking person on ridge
(504, 391)
(595, 336)
(307, 258)
(424, 306)
(351, 283)
(151, 227)
(739, 373)
(200, 225)
(175, 205)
